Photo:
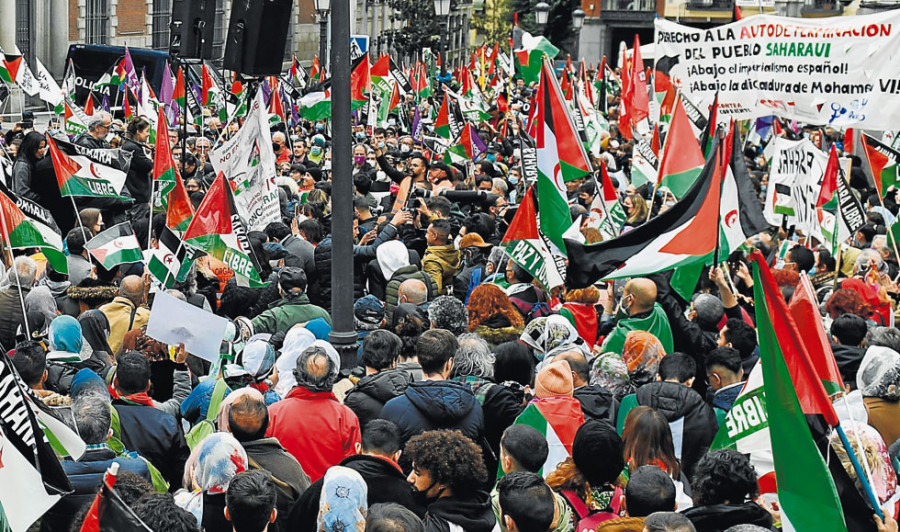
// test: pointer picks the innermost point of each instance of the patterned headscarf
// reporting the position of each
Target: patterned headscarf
(548, 333)
(879, 374)
(611, 372)
(642, 352)
(343, 504)
(209, 469)
(875, 453)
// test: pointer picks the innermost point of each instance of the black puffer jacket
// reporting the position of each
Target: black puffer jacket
(597, 403)
(676, 401)
(500, 407)
(139, 173)
(368, 397)
(385, 481)
(719, 517)
(361, 255)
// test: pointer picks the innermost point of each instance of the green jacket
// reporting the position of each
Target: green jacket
(442, 263)
(287, 312)
(655, 323)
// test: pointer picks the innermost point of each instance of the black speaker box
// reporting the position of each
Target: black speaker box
(257, 33)
(191, 29)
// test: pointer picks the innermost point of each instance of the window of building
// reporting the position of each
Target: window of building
(219, 34)
(162, 13)
(96, 29)
(24, 33)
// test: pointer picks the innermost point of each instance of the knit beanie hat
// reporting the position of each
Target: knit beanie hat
(597, 453)
(554, 380)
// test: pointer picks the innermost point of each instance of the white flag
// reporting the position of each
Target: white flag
(49, 90)
(249, 163)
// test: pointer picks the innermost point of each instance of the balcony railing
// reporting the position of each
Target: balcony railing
(711, 5)
(628, 5)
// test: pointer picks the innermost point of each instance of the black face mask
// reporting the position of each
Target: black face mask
(276, 146)
(424, 500)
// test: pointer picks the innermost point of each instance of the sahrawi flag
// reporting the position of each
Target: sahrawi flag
(218, 230)
(806, 490)
(884, 161)
(560, 158)
(686, 234)
(31, 477)
(529, 59)
(525, 246)
(316, 105)
(558, 421)
(26, 231)
(682, 158)
(468, 146)
(173, 197)
(607, 213)
(746, 425)
(116, 245)
(82, 171)
(167, 262)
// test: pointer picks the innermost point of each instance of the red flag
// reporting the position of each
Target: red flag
(625, 101)
(207, 86)
(809, 388)
(127, 105)
(89, 105)
(91, 521)
(829, 182)
(805, 310)
(849, 140)
(360, 82)
(655, 142)
(640, 98)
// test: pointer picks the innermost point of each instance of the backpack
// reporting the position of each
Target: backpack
(587, 520)
(418, 275)
(207, 426)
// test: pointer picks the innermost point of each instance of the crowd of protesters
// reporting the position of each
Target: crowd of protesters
(431, 431)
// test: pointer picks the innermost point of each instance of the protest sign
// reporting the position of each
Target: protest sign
(795, 180)
(173, 321)
(837, 70)
(249, 164)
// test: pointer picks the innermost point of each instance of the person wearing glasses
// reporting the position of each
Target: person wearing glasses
(97, 130)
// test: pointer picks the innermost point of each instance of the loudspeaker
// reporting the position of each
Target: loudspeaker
(257, 34)
(191, 29)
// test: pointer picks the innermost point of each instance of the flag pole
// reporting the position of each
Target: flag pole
(858, 440)
(859, 472)
(81, 226)
(168, 271)
(150, 216)
(12, 266)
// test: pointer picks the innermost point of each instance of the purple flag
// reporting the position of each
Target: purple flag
(267, 92)
(167, 95)
(167, 89)
(131, 77)
(105, 103)
(478, 145)
(417, 132)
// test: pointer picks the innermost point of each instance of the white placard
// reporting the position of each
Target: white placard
(173, 321)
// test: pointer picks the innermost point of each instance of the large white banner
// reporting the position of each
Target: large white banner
(840, 71)
(249, 163)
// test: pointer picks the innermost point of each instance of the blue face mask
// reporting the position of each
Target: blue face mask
(491, 157)
(513, 180)
(320, 127)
